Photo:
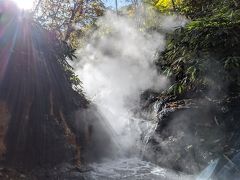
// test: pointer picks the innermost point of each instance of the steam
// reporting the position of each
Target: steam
(116, 66)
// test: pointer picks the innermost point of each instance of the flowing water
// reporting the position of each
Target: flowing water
(131, 166)
(116, 67)
(132, 169)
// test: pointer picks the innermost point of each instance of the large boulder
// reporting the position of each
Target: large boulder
(192, 132)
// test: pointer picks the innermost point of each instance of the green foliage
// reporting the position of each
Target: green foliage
(206, 8)
(205, 53)
(68, 18)
(69, 21)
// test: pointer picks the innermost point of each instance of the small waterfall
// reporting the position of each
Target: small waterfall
(115, 67)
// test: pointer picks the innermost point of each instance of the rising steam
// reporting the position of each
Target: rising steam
(116, 66)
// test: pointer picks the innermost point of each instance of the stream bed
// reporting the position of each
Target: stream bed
(132, 169)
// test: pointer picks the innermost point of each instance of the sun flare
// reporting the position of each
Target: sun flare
(24, 4)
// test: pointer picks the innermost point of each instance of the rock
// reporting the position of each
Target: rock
(192, 132)
(22, 176)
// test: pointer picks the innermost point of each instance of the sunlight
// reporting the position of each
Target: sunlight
(24, 4)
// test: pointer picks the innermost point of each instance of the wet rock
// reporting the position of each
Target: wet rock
(191, 132)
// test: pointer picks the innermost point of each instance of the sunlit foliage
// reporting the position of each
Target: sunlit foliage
(205, 55)
(165, 5)
(68, 18)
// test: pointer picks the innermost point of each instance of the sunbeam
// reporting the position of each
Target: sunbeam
(24, 4)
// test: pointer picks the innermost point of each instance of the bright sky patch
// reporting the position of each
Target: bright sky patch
(24, 4)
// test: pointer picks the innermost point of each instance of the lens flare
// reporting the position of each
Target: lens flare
(24, 4)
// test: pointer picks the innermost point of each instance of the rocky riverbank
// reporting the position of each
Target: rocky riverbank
(192, 132)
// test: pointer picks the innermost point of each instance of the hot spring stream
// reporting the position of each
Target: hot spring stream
(132, 169)
(129, 163)
(115, 70)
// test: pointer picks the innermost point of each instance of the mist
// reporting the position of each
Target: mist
(116, 66)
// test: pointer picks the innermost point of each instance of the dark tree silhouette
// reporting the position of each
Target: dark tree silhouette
(37, 98)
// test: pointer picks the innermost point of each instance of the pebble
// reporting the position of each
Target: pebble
(22, 176)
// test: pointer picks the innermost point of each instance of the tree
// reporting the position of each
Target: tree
(208, 41)
(70, 18)
(166, 5)
(37, 99)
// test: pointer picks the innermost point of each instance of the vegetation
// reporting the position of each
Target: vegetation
(68, 19)
(204, 55)
(166, 5)
(37, 91)
(70, 22)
